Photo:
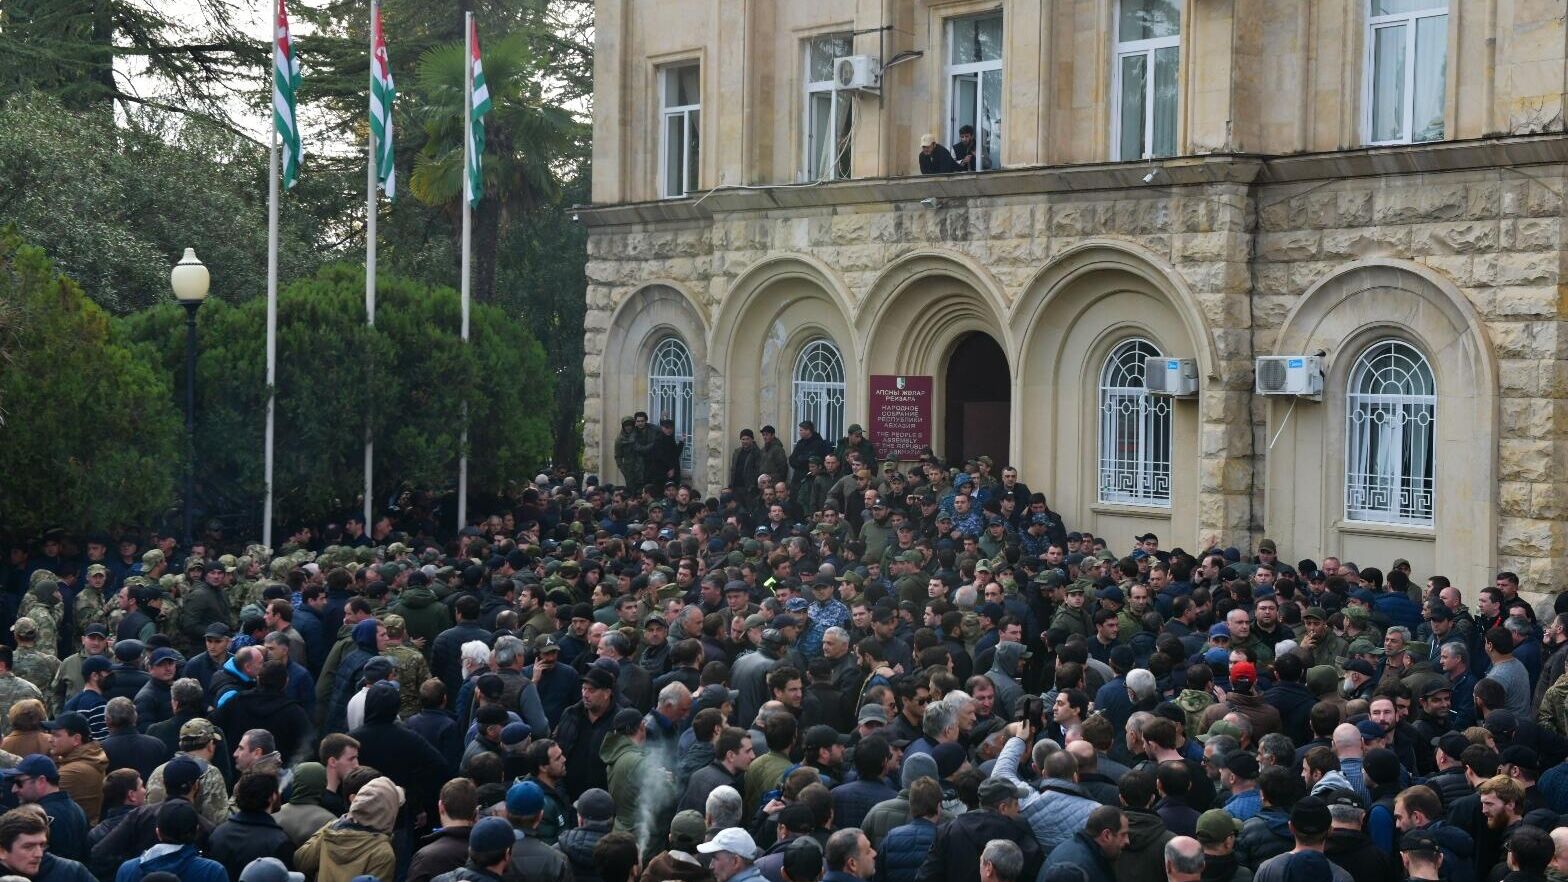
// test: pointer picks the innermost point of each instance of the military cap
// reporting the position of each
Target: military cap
(395, 625)
(25, 627)
(152, 558)
(1315, 612)
(854, 429)
(1363, 646)
(1215, 826)
(198, 733)
(97, 570)
(912, 556)
(1221, 727)
(852, 578)
(1355, 612)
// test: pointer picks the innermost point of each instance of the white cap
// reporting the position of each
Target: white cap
(927, 140)
(734, 840)
(269, 869)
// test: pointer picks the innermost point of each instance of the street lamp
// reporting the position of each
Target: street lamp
(190, 279)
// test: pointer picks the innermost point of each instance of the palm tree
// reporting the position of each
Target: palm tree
(529, 143)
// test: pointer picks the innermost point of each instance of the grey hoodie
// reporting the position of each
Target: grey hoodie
(1004, 675)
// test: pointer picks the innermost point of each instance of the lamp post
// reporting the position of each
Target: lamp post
(190, 279)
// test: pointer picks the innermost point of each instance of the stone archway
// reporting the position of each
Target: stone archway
(977, 388)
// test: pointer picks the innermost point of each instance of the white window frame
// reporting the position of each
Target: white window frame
(819, 388)
(1146, 48)
(1410, 20)
(691, 128)
(1139, 476)
(672, 391)
(1390, 492)
(810, 153)
(978, 70)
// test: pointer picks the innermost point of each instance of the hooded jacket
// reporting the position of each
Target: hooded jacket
(81, 775)
(424, 615)
(358, 844)
(408, 759)
(441, 852)
(1354, 852)
(676, 866)
(303, 815)
(625, 759)
(1144, 855)
(345, 681)
(228, 681)
(269, 709)
(1004, 675)
(246, 836)
(135, 833)
(1263, 716)
(181, 860)
(890, 813)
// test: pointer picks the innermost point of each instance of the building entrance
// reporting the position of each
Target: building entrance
(978, 396)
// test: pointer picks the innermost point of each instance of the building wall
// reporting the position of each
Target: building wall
(1271, 232)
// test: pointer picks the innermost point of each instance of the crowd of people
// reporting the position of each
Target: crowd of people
(837, 669)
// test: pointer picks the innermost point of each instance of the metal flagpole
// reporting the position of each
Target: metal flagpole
(468, 222)
(370, 257)
(272, 299)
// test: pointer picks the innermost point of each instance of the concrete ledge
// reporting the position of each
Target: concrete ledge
(1182, 171)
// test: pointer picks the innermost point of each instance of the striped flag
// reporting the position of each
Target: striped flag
(479, 105)
(285, 81)
(382, 94)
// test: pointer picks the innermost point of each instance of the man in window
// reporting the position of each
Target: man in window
(934, 158)
(964, 150)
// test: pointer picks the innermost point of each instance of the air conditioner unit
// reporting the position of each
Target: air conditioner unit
(1175, 377)
(856, 72)
(1300, 375)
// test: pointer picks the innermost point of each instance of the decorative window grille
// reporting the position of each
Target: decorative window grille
(819, 388)
(1135, 431)
(1390, 428)
(670, 392)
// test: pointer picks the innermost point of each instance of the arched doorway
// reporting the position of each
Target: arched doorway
(978, 396)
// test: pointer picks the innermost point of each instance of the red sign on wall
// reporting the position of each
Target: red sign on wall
(900, 414)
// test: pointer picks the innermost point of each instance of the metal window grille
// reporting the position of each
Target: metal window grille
(1135, 431)
(1391, 423)
(670, 391)
(819, 388)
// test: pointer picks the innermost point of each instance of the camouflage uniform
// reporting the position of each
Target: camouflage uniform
(212, 792)
(43, 607)
(12, 690)
(33, 664)
(411, 669)
(91, 607)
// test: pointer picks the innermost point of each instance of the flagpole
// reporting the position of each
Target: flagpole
(272, 300)
(468, 223)
(370, 258)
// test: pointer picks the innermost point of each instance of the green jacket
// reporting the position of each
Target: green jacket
(1193, 703)
(423, 615)
(877, 536)
(625, 759)
(765, 774)
(1075, 621)
(203, 606)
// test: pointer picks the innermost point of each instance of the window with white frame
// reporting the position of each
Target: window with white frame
(671, 387)
(680, 101)
(829, 112)
(1407, 61)
(974, 93)
(1390, 430)
(1135, 431)
(819, 387)
(1148, 52)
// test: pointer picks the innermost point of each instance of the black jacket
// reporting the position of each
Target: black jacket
(1353, 850)
(446, 653)
(704, 781)
(153, 704)
(271, 710)
(133, 750)
(1294, 704)
(441, 852)
(401, 753)
(580, 739)
(125, 682)
(955, 853)
(246, 836)
(134, 835)
(938, 162)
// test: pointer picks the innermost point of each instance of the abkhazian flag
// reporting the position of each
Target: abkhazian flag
(285, 81)
(382, 94)
(480, 105)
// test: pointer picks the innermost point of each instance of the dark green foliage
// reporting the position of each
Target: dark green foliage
(90, 437)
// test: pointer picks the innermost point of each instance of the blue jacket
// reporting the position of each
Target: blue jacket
(903, 850)
(1080, 851)
(1245, 804)
(1054, 814)
(1399, 609)
(184, 862)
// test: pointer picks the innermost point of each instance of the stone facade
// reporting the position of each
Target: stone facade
(1457, 247)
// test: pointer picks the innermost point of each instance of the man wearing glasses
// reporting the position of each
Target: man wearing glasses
(36, 779)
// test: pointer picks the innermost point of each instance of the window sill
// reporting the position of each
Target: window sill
(1387, 531)
(1128, 510)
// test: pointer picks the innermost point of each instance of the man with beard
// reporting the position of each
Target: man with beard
(1502, 809)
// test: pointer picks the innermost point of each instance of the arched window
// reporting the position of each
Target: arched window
(1390, 427)
(1135, 431)
(670, 387)
(819, 387)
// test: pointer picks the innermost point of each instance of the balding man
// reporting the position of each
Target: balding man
(1183, 859)
(1349, 747)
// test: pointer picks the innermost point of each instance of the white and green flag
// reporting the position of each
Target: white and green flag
(285, 82)
(382, 94)
(479, 105)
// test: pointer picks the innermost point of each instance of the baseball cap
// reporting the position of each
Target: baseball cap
(34, 765)
(546, 643)
(733, 840)
(95, 630)
(1451, 743)
(1215, 825)
(819, 736)
(525, 799)
(163, 654)
(872, 713)
(95, 664)
(270, 869)
(219, 629)
(1419, 840)
(1315, 612)
(71, 724)
(1244, 670)
(627, 719)
(1310, 816)
(1242, 764)
(1370, 730)
(1219, 630)
(491, 835)
(687, 830)
(198, 732)
(515, 733)
(1342, 796)
(1501, 723)
(1221, 727)
(995, 791)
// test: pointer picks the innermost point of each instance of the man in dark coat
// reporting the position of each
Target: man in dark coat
(810, 444)
(582, 729)
(370, 637)
(446, 849)
(250, 832)
(400, 752)
(268, 707)
(446, 655)
(955, 854)
(745, 467)
(663, 455)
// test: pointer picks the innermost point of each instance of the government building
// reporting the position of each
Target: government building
(1211, 269)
